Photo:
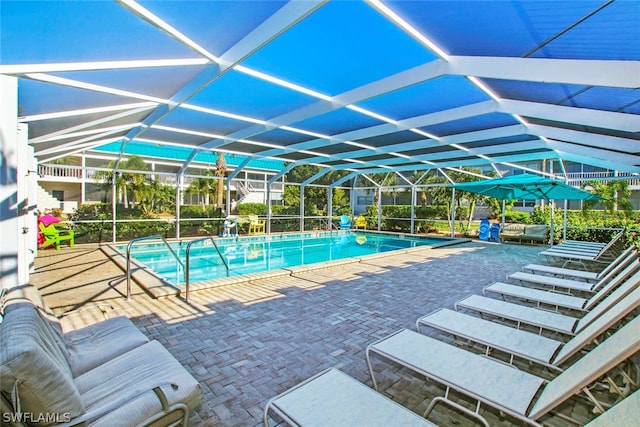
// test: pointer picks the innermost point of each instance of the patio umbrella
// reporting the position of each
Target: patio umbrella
(526, 187)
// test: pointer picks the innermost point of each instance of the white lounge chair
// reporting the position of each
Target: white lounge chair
(332, 398)
(606, 254)
(580, 244)
(552, 299)
(572, 286)
(544, 320)
(570, 273)
(624, 413)
(520, 394)
(527, 345)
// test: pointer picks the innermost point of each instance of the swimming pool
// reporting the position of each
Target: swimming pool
(266, 253)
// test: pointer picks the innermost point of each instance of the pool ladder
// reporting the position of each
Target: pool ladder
(185, 268)
(139, 239)
(188, 250)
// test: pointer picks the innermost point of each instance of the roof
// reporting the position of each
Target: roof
(354, 86)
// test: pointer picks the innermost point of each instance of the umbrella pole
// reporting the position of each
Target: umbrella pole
(504, 207)
(564, 228)
(551, 203)
(453, 212)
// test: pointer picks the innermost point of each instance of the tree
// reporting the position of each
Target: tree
(204, 187)
(314, 197)
(125, 181)
(442, 195)
(615, 195)
(340, 201)
(221, 171)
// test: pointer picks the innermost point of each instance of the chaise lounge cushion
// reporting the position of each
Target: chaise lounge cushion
(137, 372)
(87, 347)
(33, 363)
(96, 344)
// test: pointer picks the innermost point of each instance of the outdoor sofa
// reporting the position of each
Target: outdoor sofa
(106, 374)
(525, 233)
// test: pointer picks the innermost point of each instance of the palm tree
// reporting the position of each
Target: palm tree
(124, 181)
(615, 193)
(221, 170)
(204, 187)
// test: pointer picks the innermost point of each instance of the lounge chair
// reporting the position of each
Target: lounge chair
(332, 398)
(526, 345)
(553, 299)
(360, 222)
(544, 320)
(345, 222)
(606, 254)
(624, 413)
(569, 273)
(520, 394)
(580, 244)
(256, 225)
(570, 285)
(53, 236)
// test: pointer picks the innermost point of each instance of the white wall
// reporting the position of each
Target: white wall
(17, 220)
(8, 181)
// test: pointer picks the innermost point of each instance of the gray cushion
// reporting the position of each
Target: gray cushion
(98, 343)
(32, 357)
(140, 369)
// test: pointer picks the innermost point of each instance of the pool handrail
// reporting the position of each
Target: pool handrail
(130, 244)
(188, 249)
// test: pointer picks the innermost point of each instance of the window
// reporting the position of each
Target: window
(58, 194)
(365, 200)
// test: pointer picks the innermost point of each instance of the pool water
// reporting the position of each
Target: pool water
(259, 254)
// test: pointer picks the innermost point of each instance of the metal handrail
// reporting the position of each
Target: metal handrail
(187, 252)
(157, 237)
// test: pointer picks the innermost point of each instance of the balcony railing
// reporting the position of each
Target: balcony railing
(578, 178)
(60, 171)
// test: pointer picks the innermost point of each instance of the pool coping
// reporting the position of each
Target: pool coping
(157, 287)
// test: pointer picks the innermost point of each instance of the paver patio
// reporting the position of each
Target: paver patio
(248, 342)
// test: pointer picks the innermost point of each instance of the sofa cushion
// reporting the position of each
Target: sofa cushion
(98, 343)
(513, 229)
(34, 362)
(536, 231)
(133, 373)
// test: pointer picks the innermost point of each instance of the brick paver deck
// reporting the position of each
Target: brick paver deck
(248, 342)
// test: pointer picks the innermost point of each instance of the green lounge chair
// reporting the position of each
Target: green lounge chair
(54, 236)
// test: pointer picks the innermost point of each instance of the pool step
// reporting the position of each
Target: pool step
(152, 284)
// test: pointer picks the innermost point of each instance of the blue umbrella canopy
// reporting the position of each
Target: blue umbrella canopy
(526, 187)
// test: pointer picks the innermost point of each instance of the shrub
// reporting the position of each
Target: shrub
(251, 209)
(519, 217)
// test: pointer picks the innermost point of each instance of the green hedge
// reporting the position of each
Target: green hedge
(398, 217)
(251, 209)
